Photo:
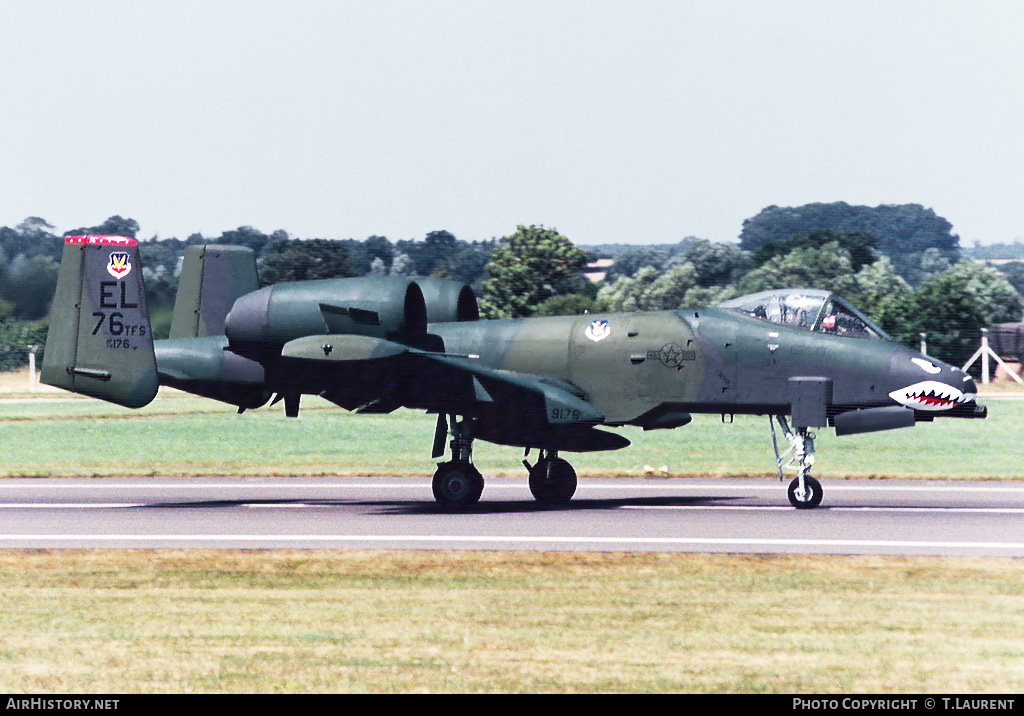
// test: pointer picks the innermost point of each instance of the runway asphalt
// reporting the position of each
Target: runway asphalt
(665, 515)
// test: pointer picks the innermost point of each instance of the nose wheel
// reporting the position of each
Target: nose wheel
(806, 496)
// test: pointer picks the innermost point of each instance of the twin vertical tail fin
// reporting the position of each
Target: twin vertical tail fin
(99, 342)
(212, 277)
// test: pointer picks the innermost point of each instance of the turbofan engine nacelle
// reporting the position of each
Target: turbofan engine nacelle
(448, 301)
(394, 308)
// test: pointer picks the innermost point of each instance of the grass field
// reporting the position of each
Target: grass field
(279, 621)
(136, 621)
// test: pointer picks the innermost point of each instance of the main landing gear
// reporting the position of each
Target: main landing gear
(552, 479)
(805, 492)
(457, 483)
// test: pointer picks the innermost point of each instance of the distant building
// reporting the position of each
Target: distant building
(597, 270)
(1007, 340)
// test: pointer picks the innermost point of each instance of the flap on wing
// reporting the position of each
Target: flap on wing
(563, 408)
(562, 402)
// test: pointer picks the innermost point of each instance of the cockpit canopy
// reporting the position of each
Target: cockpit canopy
(811, 309)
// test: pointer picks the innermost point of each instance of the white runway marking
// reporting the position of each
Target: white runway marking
(680, 484)
(751, 508)
(67, 505)
(515, 539)
(690, 508)
(830, 486)
(212, 485)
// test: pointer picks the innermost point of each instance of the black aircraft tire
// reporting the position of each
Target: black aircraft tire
(813, 497)
(553, 481)
(457, 484)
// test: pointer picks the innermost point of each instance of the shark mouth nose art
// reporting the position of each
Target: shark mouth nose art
(930, 395)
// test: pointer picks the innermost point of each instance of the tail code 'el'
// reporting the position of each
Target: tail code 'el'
(100, 343)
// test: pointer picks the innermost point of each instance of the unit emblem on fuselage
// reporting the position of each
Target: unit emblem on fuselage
(598, 330)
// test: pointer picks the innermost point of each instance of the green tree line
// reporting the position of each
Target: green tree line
(936, 291)
(902, 265)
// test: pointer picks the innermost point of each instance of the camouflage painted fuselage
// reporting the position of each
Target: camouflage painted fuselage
(547, 381)
(640, 367)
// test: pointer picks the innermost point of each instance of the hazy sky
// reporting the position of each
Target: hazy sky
(639, 121)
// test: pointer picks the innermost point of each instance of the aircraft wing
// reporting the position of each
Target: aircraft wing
(369, 374)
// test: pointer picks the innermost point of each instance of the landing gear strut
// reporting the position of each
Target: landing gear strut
(805, 492)
(457, 483)
(552, 479)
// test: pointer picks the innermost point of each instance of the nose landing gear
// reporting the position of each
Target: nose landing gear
(805, 492)
(806, 496)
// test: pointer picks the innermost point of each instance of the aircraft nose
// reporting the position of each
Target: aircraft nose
(968, 386)
(929, 384)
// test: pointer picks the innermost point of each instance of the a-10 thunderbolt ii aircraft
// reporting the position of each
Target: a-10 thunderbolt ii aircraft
(805, 358)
